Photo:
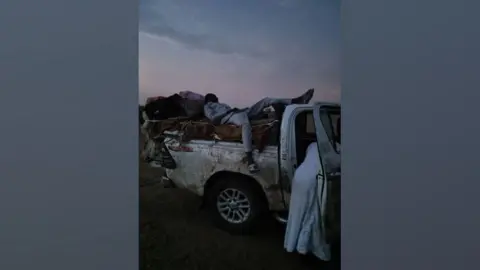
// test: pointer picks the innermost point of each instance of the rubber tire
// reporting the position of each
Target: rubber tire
(255, 196)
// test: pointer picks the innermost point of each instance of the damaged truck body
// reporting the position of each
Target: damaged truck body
(209, 161)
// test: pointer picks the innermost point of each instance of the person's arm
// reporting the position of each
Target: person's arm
(213, 112)
(208, 111)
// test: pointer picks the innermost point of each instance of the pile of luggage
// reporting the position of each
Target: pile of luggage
(183, 104)
(182, 113)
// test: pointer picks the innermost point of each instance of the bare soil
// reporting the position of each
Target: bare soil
(176, 234)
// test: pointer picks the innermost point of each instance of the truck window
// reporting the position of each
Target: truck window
(309, 124)
(305, 134)
(331, 121)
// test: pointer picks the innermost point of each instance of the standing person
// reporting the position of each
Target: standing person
(220, 113)
(303, 233)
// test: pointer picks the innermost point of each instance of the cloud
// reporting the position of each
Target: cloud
(276, 52)
(152, 22)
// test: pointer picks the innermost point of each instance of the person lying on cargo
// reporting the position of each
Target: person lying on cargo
(164, 108)
(190, 95)
(185, 104)
(220, 114)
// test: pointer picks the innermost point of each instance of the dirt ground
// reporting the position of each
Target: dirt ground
(176, 234)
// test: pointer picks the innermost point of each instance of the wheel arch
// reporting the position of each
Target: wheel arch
(224, 174)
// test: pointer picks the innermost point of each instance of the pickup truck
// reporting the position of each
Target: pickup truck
(236, 199)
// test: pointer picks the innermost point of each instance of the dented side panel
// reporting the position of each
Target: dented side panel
(198, 160)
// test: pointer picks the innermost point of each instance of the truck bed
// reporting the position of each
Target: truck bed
(264, 131)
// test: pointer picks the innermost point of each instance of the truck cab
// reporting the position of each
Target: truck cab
(237, 199)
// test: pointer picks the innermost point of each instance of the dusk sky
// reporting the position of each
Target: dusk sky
(242, 50)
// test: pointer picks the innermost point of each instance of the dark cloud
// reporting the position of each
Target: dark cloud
(153, 23)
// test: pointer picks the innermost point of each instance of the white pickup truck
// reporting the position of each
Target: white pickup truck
(236, 199)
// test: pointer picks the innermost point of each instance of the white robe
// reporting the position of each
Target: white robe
(303, 233)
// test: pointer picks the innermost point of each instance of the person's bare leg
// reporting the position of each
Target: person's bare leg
(241, 119)
(304, 98)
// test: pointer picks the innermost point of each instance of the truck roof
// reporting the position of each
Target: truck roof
(314, 103)
(292, 107)
(326, 103)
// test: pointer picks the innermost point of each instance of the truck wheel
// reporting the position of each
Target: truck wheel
(236, 205)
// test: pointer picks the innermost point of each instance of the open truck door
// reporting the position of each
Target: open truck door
(327, 129)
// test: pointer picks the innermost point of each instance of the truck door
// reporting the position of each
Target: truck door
(293, 130)
(326, 118)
